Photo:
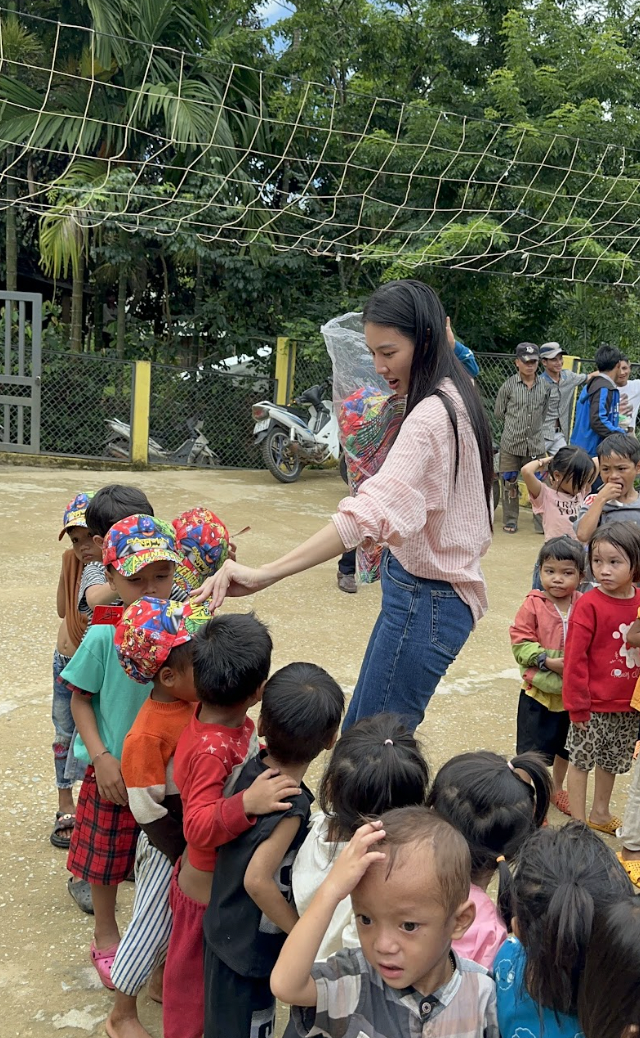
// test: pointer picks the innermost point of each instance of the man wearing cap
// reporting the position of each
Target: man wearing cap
(563, 385)
(597, 410)
(522, 402)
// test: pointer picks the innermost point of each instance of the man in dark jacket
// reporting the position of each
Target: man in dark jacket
(598, 405)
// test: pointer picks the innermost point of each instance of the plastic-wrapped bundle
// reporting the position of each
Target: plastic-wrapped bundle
(368, 416)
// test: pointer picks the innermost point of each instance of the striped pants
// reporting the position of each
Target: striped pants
(144, 945)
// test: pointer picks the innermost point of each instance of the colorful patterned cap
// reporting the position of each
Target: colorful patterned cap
(203, 541)
(136, 542)
(150, 629)
(74, 513)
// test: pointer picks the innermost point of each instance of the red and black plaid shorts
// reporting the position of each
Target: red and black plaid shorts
(103, 841)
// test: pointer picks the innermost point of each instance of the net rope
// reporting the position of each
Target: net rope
(403, 183)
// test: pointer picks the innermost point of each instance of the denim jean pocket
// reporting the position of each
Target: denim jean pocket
(451, 621)
(397, 574)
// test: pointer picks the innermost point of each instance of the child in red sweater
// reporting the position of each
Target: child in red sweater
(600, 673)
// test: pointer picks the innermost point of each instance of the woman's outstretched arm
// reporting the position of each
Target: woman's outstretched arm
(235, 580)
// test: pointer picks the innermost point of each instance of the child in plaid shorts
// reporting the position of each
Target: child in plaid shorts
(140, 558)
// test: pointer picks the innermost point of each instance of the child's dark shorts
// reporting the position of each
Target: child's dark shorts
(541, 729)
(103, 840)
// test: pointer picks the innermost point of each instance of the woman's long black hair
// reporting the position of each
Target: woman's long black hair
(416, 311)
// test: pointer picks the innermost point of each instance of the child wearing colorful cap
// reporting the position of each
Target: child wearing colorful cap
(203, 541)
(70, 633)
(140, 557)
(109, 505)
(154, 642)
(231, 661)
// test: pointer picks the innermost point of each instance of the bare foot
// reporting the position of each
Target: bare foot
(154, 988)
(629, 855)
(124, 1026)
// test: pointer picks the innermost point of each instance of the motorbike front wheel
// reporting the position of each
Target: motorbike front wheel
(279, 457)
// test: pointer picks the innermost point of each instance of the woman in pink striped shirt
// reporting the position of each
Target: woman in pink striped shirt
(430, 504)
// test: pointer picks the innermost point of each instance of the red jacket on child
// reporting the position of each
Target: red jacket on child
(600, 669)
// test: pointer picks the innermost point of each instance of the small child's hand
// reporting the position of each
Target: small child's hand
(580, 724)
(556, 664)
(355, 859)
(267, 793)
(636, 752)
(633, 635)
(109, 780)
(610, 491)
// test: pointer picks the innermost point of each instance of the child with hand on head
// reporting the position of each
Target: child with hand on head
(600, 674)
(496, 805)
(140, 558)
(538, 636)
(110, 505)
(559, 495)
(231, 661)
(562, 878)
(70, 633)
(250, 912)
(617, 500)
(408, 876)
(375, 766)
(154, 642)
(609, 995)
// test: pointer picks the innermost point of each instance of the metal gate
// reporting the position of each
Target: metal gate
(20, 373)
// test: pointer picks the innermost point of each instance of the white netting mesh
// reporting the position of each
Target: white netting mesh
(140, 137)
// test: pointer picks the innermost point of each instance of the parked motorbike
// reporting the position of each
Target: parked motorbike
(194, 451)
(289, 440)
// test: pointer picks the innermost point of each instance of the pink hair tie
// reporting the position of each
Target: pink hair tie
(388, 742)
(510, 766)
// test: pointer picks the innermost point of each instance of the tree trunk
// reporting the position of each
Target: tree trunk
(197, 308)
(77, 297)
(11, 237)
(121, 319)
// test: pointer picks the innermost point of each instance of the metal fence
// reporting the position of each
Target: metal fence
(221, 400)
(309, 371)
(79, 392)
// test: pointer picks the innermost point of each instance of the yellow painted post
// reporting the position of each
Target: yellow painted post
(572, 364)
(285, 368)
(141, 403)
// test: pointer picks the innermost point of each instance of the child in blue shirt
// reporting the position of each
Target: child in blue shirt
(140, 557)
(562, 878)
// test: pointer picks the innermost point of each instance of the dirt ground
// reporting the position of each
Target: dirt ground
(47, 984)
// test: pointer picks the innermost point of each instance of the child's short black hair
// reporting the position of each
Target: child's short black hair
(302, 707)
(573, 464)
(607, 357)
(625, 446)
(181, 657)
(231, 659)
(562, 877)
(375, 766)
(113, 503)
(623, 536)
(563, 549)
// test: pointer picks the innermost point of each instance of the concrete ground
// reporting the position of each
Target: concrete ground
(47, 985)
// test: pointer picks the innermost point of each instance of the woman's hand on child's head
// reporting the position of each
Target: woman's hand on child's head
(268, 793)
(355, 859)
(109, 780)
(231, 580)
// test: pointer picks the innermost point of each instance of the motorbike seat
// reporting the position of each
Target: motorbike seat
(313, 395)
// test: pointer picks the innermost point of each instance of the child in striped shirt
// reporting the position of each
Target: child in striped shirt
(154, 643)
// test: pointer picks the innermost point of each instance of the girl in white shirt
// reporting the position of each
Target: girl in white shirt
(375, 766)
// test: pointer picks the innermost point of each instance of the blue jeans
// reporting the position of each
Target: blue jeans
(422, 627)
(64, 728)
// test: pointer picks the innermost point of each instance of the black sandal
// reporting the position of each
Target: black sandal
(64, 824)
(511, 526)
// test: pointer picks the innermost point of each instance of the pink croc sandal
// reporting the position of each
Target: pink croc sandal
(561, 801)
(102, 959)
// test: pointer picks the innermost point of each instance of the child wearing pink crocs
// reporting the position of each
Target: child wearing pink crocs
(140, 558)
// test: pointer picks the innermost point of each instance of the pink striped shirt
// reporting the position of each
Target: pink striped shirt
(436, 529)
